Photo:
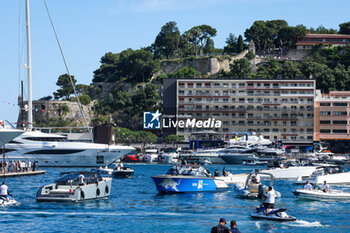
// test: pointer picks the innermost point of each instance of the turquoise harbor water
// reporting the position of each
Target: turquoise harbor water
(135, 206)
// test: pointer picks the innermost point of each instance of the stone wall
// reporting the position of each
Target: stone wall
(207, 65)
(52, 110)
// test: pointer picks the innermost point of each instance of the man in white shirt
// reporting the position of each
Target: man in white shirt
(308, 186)
(325, 187)
(3, 191)
(81, 179)
(269, 201)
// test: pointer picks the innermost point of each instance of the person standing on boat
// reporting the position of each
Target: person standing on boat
(216, 173)
(29, 165)
(308, 186)
(4, 191)
(233, 226)
(224, 173)
(325, 187)
(269, 201)
(81, 179)
(220, 228)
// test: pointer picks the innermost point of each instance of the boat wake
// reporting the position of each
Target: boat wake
(302, 223)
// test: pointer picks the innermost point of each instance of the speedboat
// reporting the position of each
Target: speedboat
(53, 150)
(115, 171)
(319, 195)
(274, 214)
(253, 187)
(335, 175)
(230, 178)
(188, 179)
(211, 155)
(68, 189)
(237, 154)
(170, 155)
(151, 155)
(254, 162)
(289, 170)
(4, 202)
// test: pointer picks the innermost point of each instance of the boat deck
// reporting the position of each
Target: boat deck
(30, 173)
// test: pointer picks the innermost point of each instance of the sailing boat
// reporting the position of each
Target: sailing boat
(53, 150)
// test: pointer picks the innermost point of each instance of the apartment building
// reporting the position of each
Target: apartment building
(332, 120)
(310, 40)
(277, 109)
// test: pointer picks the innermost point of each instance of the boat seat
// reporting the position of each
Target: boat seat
(59, 191)
(253, 188)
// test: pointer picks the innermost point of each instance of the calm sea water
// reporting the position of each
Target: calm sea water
(135, 206)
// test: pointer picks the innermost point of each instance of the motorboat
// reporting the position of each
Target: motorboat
(254, 188)
(289, 170)
(266, 153)
(53, 150)
(211, 155)
(335, 175)
(68, 189)
(230, 178)
(5, 203)
(254, 162)
(170, 155)
(273, 214)
(115, 170)
(319, 195)
(188, 179)
(237, 154)
(151, 155)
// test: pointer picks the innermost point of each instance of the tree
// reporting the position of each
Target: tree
(290, 70)
(66, 88)
(231, 42)
(173, 138)
(344, 28)
(200, 37)
(322, 30)
(168, 40)
(146, 137)
(49, 97)
(241, 68)
(269, 70)
(240, 44)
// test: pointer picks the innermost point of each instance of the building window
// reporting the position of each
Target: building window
(325, 104)
(325, 113)
(340, 122)
(339, 113)
(325, 122)
(340, 131)
(325, 131)
(340, 104)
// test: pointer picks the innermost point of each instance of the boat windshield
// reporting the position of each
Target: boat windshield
(73, 178)
(188, 171)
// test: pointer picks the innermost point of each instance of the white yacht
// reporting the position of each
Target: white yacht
(290, 172)
(54, 151)
(237, 154)
(335, 175)
(211, 155)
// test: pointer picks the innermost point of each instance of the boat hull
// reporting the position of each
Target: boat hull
(236, 158)
(291, 172)
(317, 195)
(182, 184)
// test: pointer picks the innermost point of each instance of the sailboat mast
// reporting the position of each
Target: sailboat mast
(29, 70)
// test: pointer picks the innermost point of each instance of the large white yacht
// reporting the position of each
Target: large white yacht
(237, 154)
(211, 155)
(53, 150)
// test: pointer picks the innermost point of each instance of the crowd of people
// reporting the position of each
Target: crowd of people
(18, 166)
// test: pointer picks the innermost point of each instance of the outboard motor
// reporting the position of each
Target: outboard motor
(261, 191)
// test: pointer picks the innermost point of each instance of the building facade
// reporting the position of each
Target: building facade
(332, 120)
(277, 109)
(313, 39)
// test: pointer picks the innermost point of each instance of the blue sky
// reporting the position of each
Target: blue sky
(90, 28)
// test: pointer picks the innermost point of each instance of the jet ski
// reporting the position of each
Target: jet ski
(274, 214)
(4, 202)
